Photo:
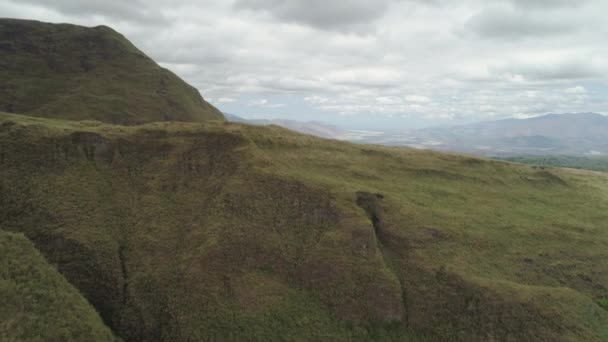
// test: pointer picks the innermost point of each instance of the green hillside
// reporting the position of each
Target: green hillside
(73, 72)
(217, 231)
(38, 304)
(595, 163)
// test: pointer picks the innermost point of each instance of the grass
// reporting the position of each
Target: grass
(603, 303)
(574, 162)
(74, 72)
(38, 304)
(225, 231)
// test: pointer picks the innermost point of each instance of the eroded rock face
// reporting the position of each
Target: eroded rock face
(154, 217)
(93, 145)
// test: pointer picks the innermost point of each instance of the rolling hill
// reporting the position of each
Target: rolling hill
(207, 231)
(79, 73)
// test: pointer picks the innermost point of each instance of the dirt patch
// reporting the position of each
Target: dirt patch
(551, 178)
(92, 145)
(369, 202)
(7, 46)
(6, 125)
(543, 178)
(372, 205)
(472, 162)
(257, 293)
(441, 174)
(370, 152)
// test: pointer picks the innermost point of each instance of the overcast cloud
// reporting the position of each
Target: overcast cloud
(396, 63)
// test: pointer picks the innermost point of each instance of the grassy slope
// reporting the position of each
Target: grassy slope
(576, 162)
(38, 304)
(73, 72)
(225, 231)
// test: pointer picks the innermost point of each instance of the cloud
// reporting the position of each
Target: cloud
(389, 100)
(549, 4)
(369, 76)
(264, 103)
(321, 14)
(576, 90)
(316, 100)
(548, 70)
(417, 98)
(225, 100)
(132, 11)
(505, 22)
(410, 60)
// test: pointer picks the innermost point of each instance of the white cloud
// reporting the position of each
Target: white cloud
(341, 15)
(264, 103)
(316, 100)
(505, 22)
(389, 100)
(417, 98)
(576, 90)
(258, 103)
(432, 60)
(226, 100)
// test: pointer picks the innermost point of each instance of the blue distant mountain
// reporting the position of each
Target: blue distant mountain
(573, 134)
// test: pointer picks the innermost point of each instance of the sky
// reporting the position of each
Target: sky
(363, 64)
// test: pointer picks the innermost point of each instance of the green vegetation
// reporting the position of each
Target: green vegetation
(603, 303)
(73, 72)
(225, 231)
(573, 162)
(38, 304)
(211, 231)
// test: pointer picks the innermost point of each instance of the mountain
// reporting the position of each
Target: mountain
(181, 231)
(571, 134)
(79, 73)
(318, 129)
(218, 231)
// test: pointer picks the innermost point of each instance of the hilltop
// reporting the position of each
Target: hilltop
(217, 231)
(80, 73)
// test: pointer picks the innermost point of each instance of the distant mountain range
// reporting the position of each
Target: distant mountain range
(572, 134)
(552, 134)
